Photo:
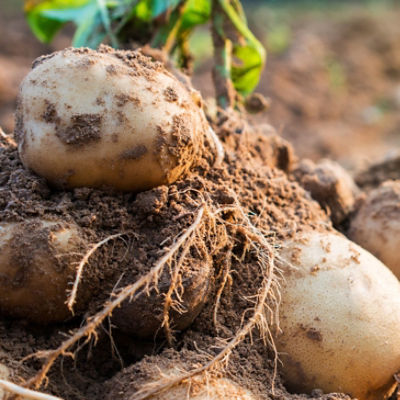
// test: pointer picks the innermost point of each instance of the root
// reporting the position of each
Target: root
(263, 303)
(25, 393)
(168, 302)
(153, 388)
(88, 330)
(10, 141)
(72, 296)
(225, 279)
(265, 255)
(218, 148)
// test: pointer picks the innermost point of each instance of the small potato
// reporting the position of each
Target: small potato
(37, 265)
(125, 384)
(340, 318)
(330, 185)
(215, 389)
(106, 119)
(143, 316)
(376, 226)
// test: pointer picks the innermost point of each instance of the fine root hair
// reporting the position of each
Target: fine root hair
(89, 329)
(24, 392)
(209, 232)
(72, 296)
(263, 313)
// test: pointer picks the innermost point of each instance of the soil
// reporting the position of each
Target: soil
(150, 221)
(254, 174)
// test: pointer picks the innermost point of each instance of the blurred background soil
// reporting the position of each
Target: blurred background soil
(333, 72)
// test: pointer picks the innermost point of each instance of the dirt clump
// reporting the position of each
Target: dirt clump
(85, 129)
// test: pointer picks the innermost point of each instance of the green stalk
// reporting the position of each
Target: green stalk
(172, 36)
(106, 22)
(241, 26)
(186, 58)
(224, 90)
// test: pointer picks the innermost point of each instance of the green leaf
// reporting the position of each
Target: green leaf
(85, 26)
(182, 22)
(91, 18)
(197, 12)
(68, 14)
(250, 56)
(143, 11)
(247, 68)
(105, 19)
(159, 7)
(43, 26)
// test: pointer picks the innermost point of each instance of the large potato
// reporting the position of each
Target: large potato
(106, 119)
(38, 261)
(340, 318)
(376, 226)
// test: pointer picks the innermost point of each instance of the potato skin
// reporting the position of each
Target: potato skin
(340, 318)
(376, 226)
(106, 119)
(171, 363)
(36, 269)
(215, 389)
(142, 317)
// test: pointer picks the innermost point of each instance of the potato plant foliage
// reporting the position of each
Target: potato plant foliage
(165, 24)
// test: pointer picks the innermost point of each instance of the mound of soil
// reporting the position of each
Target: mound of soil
(251, 183)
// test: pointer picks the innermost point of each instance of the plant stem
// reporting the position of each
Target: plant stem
(186, 61)
(172, 37)
(224, 90)
(107, 23)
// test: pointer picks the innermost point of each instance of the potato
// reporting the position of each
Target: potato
(37, 264)
(215, 389)
(143, 316)
(339, 316)
(376, 226)
(330, 185)
(384, 169)
(125, 384)
(106, 119)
